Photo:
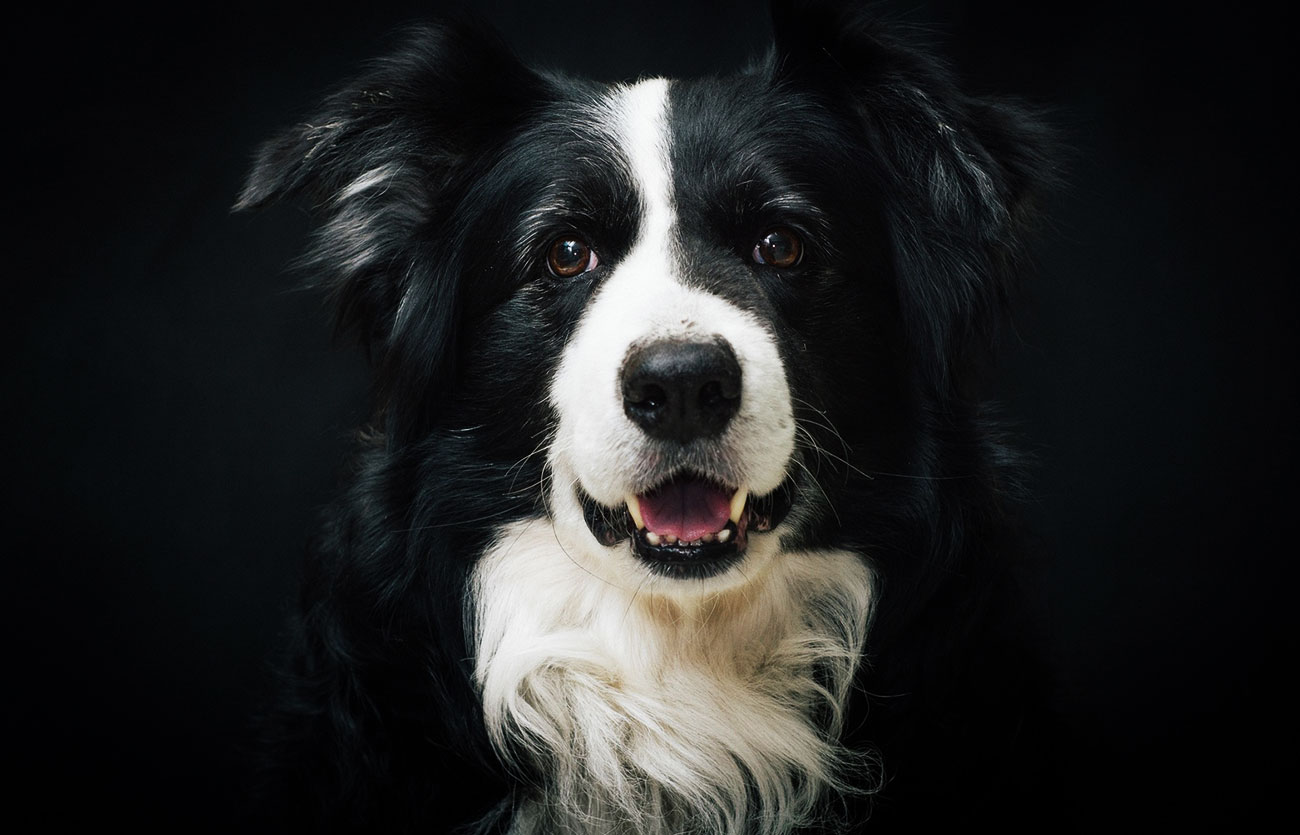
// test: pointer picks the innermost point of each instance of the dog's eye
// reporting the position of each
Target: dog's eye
(780, 248)
(569, 257)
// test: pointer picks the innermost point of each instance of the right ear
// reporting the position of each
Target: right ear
(373, 165)
(960, 177)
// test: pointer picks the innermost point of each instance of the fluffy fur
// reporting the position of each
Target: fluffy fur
(489, 638)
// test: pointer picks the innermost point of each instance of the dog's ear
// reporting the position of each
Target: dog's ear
(377, 165)
(425, 104)
(961, 176)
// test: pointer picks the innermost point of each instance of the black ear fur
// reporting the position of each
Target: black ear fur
(379, 164)
(962, 175)
(431, 101)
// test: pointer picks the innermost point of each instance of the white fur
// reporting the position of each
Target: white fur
(655, 713)
(377, 177)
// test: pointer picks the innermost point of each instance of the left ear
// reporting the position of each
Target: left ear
(962, 175)
(373, 160)
(380, 163)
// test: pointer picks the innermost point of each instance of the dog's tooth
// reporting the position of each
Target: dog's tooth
(670, 539)
(709, 537)
(724, 535)
(695, 543)
(653, 538)
(738, 504)
(634, 508)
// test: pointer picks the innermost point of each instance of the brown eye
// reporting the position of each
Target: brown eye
(569, 257)
(778, 248)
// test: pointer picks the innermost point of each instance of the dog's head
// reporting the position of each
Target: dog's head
(706, 310)
(669, 373)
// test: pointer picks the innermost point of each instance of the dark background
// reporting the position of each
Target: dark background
(176, 411)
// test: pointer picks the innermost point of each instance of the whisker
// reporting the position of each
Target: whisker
(821, 451)
(570, 556)
(817, 484)
(518, 467)
(632, 601)
(823, 422)
(921, 477)
(437, 525)
(514, 490)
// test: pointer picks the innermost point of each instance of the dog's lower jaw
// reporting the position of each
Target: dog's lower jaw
(649, 712)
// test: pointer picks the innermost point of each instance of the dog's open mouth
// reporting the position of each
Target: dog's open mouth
(688, 526)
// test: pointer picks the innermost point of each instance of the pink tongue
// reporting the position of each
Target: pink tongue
(686, 509)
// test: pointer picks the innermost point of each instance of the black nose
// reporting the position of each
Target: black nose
(680, 391)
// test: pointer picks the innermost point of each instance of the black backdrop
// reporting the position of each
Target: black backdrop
(176, 412)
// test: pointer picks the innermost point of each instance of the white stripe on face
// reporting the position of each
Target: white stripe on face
(639, 118)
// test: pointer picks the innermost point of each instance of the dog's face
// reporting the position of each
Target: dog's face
(675, 395)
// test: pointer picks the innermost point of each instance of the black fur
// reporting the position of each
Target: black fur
(916, 200)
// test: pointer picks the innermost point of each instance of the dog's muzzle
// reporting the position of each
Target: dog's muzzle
(683, 394)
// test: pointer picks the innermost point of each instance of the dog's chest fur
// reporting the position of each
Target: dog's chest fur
(650, 714)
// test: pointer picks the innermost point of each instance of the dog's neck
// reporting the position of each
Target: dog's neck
(709, 712)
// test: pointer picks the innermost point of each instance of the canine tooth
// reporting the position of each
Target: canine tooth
(738, 504)
(634, 508)
(724, 535)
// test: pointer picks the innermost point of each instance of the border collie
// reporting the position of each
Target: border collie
(680, 510)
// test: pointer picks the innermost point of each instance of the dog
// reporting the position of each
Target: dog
(680, 509)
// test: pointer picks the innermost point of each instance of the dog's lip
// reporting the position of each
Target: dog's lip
(704, 557)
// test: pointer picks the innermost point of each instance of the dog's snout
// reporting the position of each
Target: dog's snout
(681, 390)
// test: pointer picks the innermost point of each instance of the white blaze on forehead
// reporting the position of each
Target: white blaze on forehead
(644, 299)
(639, 129)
